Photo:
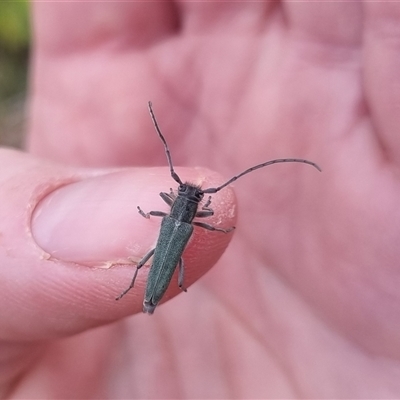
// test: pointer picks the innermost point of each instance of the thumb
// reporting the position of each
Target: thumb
(61, 228)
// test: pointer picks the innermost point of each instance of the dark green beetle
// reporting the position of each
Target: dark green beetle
(177, 228)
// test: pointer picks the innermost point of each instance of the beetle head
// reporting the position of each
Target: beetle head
(190, 191)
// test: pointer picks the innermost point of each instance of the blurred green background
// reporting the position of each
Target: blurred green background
(14, 54)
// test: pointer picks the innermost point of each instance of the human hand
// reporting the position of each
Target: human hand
(307, 290)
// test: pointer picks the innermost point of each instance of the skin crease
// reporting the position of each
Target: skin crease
(305, 302)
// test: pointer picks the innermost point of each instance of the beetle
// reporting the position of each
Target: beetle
(177, 227)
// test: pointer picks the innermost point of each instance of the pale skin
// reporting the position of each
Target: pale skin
(305, 301)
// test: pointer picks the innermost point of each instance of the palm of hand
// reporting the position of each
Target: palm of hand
(307, 285)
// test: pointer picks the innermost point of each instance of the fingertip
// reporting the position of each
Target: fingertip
(96, 219)
(95, 222)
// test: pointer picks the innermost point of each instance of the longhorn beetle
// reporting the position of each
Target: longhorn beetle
(177, 227)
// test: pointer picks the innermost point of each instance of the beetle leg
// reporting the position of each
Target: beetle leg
(181, 274)
(140, 265)
(206, 210)
(208, 202)
(212, 228)
(153, 213)
(169, 198)
(205, 213)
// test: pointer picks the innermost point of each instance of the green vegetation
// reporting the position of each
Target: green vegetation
(14, 52)
(14, 44)
(14, 25)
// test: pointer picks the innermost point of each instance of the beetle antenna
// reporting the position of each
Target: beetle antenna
(174, 175)
(279, 160)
